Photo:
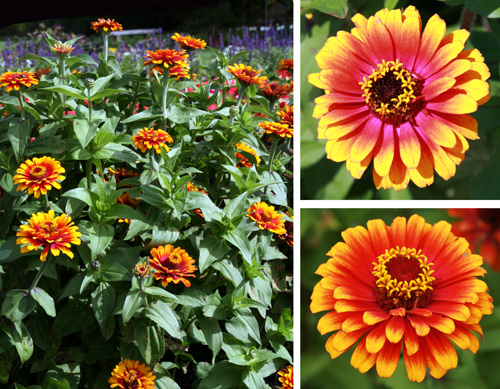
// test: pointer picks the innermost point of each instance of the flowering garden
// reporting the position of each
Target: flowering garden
(147, 222)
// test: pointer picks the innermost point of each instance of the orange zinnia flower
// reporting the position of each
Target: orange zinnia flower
(62, 49)
(243, 160)
(41, 71)
(273, 90)
(130, 374)
(125, 198)
(167, 58)
(148, 138)
(122, 173)
(481, 228)
(14, 80)
(172, 265)
(267, 218)
(286, 115)
(39, 175)
(246, 74)
(193, 188)
(280, 129)
(288, 235)
(188, 42)
(106, 26)
(286, 377)
(49, 232)
(409, 285)
(404, 102)
(285, 68)
(177, 71)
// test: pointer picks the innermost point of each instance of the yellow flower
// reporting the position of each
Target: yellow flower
(14, 80)
(246, 74)
(267, 218)
(245, 162)
(286, 377)
(39, 175)
(189, 42)
(148, 138)
(277, 128)
(106, 26)
(129, 374)
(172, 264)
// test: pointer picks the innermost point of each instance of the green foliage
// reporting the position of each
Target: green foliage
(67, 322)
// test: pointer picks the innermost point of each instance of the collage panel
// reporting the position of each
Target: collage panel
(399, 100)
(394, 298)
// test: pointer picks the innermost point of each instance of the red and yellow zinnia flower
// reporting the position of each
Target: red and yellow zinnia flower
(285, 68)
(62, 49)
(14, 80)
(39, 175)
(125, 199)
(267, 218)
(273, 90)
(188, 42)
(122, 173)
(277, 128)
(246, 74)
(172, 264)
(286, 377)
(405, 100)
(129, 374)
(167, 58)
(410, 285)
(49, 232)
(194, 188)
(106, 26)
(148, 138)
(286, 115)
(243, 160)
(481, 228)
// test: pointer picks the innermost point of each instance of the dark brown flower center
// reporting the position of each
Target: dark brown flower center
(38, 172)
(490, 216)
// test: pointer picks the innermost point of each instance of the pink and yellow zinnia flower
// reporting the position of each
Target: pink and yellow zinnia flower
(399, 97)
(410, 286)
(129, 374)
(39, 175)
(51, 233)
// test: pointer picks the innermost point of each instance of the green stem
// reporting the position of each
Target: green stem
(272, 154)
(46, 202)
(90, 106)
(164, 98)
(40, 272)
(240, 95)
(62, 74)
(21, 103)
(105, 54)
(89, 173)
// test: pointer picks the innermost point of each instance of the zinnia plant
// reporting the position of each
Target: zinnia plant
(404, 104)
(410, 288)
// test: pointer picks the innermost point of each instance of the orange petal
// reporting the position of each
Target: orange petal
(388, 358)
(332, 321)
(376, 338)
(442, 350)
(374, 317)
(395, 329)
(361, 359)
(415, 365)
(411, 339)
(453, 310)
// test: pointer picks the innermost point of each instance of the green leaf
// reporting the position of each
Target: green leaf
(337, 8)
(143, 339)
(229, 271)
(212, 248)
(119, 152)
(112, 271)
(151, 113)
(83, 194)
(159, 292)
(84, 131)
(163, 315)
(46, 145)
(17, 305)
(252, 380)
(244, 326)
(45, 301)
(182, 114)
(105, 93)
(239, 239)
(486, 185)
(488, 8)
(22, 340)
(52, 383)
(213, 335)
(133, 301)
(224, 375)
(67, 90)
(166, 383)
(72, 318)
(200, 200)
(100, 236)
(310, 153)
(103, 301)
(237, 206)
(18, 133)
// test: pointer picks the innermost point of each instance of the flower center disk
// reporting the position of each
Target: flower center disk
(38, 172)
(393, 93)
(403, 278)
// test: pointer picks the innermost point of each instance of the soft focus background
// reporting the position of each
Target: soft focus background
(320, 230)
(477, 176)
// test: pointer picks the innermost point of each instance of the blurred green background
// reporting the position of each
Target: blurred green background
(320, 230)
(478, 175)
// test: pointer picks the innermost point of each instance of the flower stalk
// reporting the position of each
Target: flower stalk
(164, 99)
(40, 272)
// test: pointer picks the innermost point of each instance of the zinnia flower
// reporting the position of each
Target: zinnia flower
(125, 198)
(14, 80)
(286, 115)
(142, 270)
(286, 377)
(172, 264)
(49, 232)
(62, 49)
(267, 218)
(106, 26)
(288, 235)
(122, 173)
(177, 71)
(246, 74)
(148, 138)
(243, 160)
(39, 72)
(167, 58)
(277, 128)
(409, 285)
(481, 228)
(399, 98)
(188, 42)
(194, 188)
(39, 175)
(130, 374)
(285, 68)
(273, 90)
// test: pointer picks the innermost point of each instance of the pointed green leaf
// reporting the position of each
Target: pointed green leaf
(45, 301)
(133, 301)
(163, 315)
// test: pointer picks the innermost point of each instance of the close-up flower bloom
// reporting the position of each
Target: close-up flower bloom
(286, 377)
(14, 80)
(62, 49)
(50, 233)
(130, 374)
(410, 286)
(106, 26)
(166, 58)
(481, 228)
(277, 128)
(246, 74)
(243, 160)
(149, 138)
(39, 175)
(285, 68)
(399, 97)
(172, 264)
(188, 42)
(267, 218)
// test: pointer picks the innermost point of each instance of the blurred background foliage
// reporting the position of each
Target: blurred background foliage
(320, 230)
(477, 176)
